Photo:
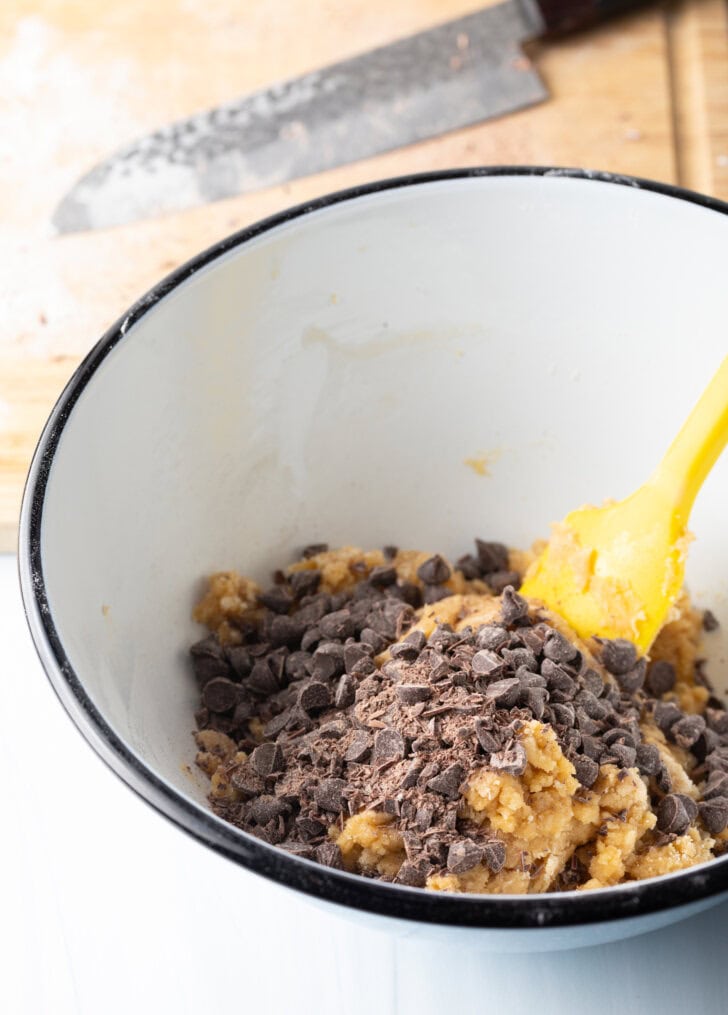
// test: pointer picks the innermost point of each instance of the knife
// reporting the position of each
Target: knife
(450, 76)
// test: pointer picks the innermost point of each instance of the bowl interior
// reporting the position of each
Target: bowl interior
(329, 378)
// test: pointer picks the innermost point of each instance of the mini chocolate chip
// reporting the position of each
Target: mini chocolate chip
(504, 693)
(586, 724)
(311, 638)
(462, 856)
(434, 593)
(487, 737)
(345, 692)
(592, 681)
(388, 746)
(486, 663)
(593, 706)
(620, 754)
(297, 665)
(329, 854)
(714, 814)
(305, 583)
(209, 658)
(470, 566)
(494, 855)
(499, 580)
(558, 649)
(517, 657)
(354, 653)
(619, 736)
(359, 747)
(492, 556)
(685, 732)
(447, 783)
(434, 571)
(492, 637)
(410, 694)
(717, 720)
(376, 641)
(634, 678)
(329, 795)
(261, 680)
(512, 760)
(314, 697)
(586, 770)
(416, 638)
(277, 724)
(648, 759)
(513, 606)
(718, 759)
(618, 655)
(301, 849)
(382, 576)
(710, 621)
(327, 661)
(705, 744)
(660, 678)
(666, 714)
(672, 817)
(266, 759)
(314, 549)
(663, 780)
(220, 694)
(557, 678)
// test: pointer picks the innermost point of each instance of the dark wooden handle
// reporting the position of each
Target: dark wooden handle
(561, 16)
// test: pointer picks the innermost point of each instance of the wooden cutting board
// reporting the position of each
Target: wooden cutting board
(647, 94)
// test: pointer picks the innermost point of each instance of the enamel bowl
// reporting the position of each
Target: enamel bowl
(323, 376)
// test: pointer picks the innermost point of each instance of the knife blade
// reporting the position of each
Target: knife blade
(450, 76)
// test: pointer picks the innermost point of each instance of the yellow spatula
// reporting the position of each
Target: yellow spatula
(616, 570)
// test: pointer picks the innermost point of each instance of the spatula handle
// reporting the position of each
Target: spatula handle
(562, 16)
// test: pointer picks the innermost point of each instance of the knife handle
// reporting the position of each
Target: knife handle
(562, 16)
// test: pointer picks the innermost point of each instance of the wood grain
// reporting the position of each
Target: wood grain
(645, 94)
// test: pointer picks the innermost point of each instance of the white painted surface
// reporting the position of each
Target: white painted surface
(108, 909)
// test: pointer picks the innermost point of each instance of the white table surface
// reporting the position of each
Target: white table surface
(107, 908)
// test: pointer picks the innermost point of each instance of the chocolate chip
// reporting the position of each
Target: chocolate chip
(382, 576)
(277, 724)
(329, 795)
(338, 624)
(297, 665)
(663, 780)
(246, 780)
(305, 583)
(691, 808)
(618, 656)
(462, 856)
(686, 731)
(592, 747)
(666, 714)
(564, 714)
(512, 760)
(311, 638)
(557, 678)
(410, 694)
(376, 641)
(492, 556)
(486, 663)
(660, 678)
(469, 566)
(586, 769)
(648, 759)
(494, 855)
(266, 808)
(513, 606)
(447, 784)
(285, 631)
(261, 680)
(434, 593)
(388, 746)
(327, 661)
(278, 599)
(504, 693)
(593, 706)
(590, 680)
(710, 621)
(220, 694)
(345, 692)
(672, 817)
(622, 755)
(717, 720)
(498, 580)
(535, 700)
(517, 657)
(487, 737)
(314, 697)
(634, 678)
(412, 774)
(714, 814)
(558, 649)
(314, 549)
(359, 747)
(329, 854)
(404, 650)
(240, 661)
(434, 571)
(491, 636)
(586, 724)
(717, 785)
(266, 759)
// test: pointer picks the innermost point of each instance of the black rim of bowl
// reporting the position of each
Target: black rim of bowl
(350, 890)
